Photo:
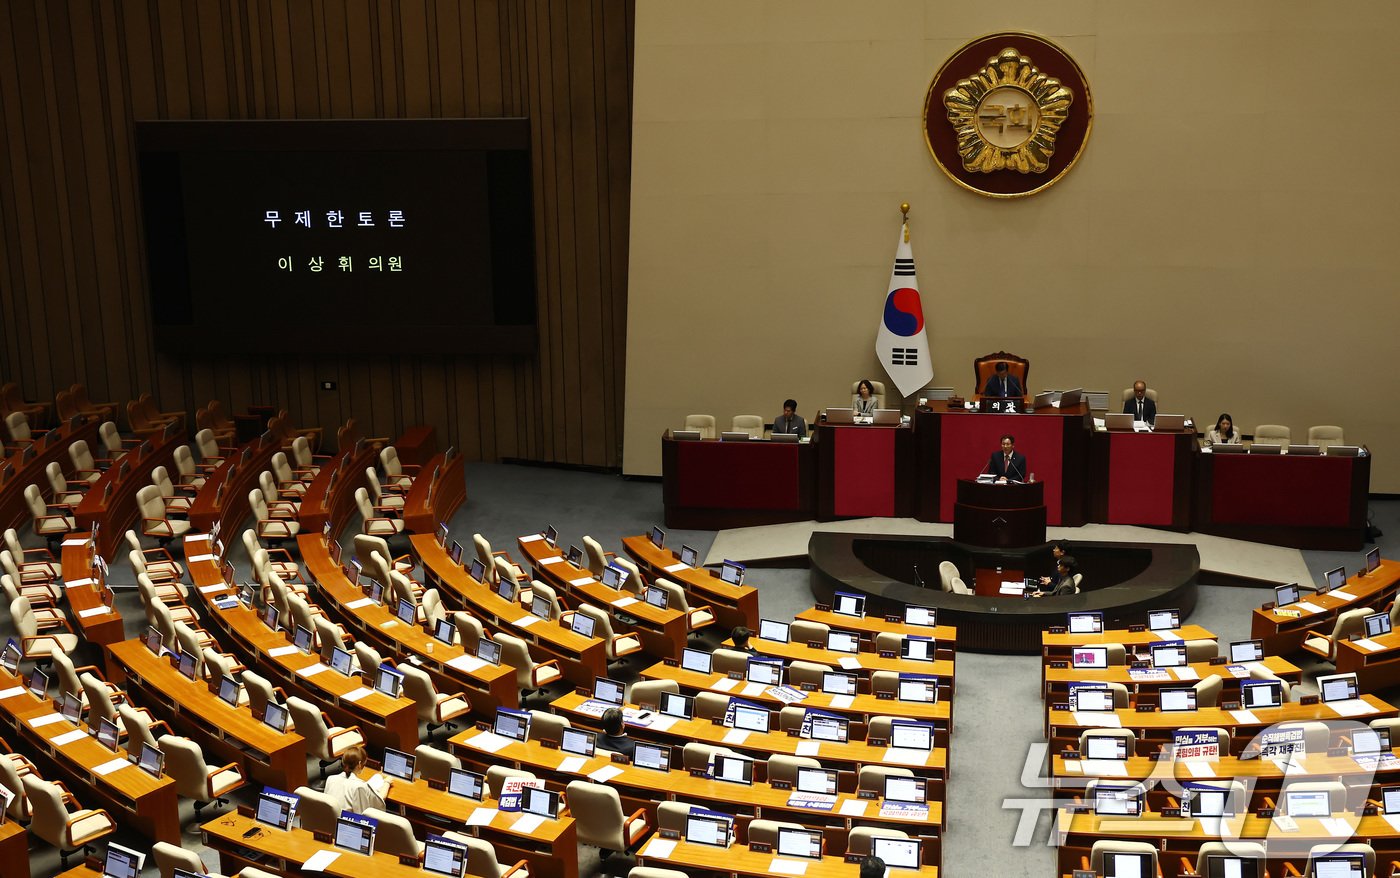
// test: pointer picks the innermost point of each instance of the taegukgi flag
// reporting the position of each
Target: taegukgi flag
(901, 344)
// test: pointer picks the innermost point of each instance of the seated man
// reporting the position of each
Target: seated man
(740, 635)
(1008, 464)
(1003, 383)
(1139, 406)
(1063, 582)
(614, 735)
(790, 421)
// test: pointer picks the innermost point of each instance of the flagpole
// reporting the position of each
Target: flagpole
(904, 209)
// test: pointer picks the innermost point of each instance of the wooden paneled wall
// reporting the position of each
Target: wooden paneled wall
(75, 74)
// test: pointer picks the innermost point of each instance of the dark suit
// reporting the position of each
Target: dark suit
(1149, 409)
(1010, 385)
(1017, 470)
(796, 424)
(1065, 586)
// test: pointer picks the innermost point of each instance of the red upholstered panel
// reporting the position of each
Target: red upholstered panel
(1270, 490)
(970, 439)
(864, 472)
(737, 475)
(1141, 478)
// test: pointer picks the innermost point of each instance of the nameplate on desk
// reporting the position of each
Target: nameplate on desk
(1171, 812)
(854, 859)
(435, 784)
(1308, 700)
(1220, 660)
(736, 675)
(867, 794)
(671, 663)
(1069, 754)
(1229, 705)
(621, 759)
(886, 654)
(1369, 811)
(894, 620)
(548, 743)
(1084, 873)
(1058, 629)
(672, 833)
(1059, 665)
(1146, 708)
(760, 847)
(1265, 813)
(781, 785)
(1136, 629)
(878, 742)
(809, 687)
(1059, 705)
(884, 696)
(823, 608)
(1138, 665)
(815, 644)
(699, 772)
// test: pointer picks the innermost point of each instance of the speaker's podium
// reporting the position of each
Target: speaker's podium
(1002, 516)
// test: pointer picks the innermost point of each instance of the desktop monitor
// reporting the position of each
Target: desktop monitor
(837, 683)
(506, 589)
(804, 843)
(1163, 620)
(690, 557)
(825, 727)
(121, 862)
(821, 781)
(153, 639)
(228, 691)
(1095, 657)
(1176, 699)
(354, 834)
(488, 651)
(608, 690)
(1338, 687)
(398, 764)
(847, 604)
(614, 576)
(302, 639)
(71, 708)
(512, 724)
(734, 769)
(752, 718)
(388, 681)
(478, 570)
(540, 607)
(107, 733)
(1086, 623)
(1105, 747)
(905, 789)
(1260, 693)
(1339, 866)
(551, 536)
(843, 641)
(375, 589)
(656, 757)
(1286, 594)
(1370, 741)
(915, 648)
(575, 556)
(1307, 803)
(445, 631)
(679, 706)
(1168, 655)
(1228, 866)
(579, 742)
(276, 811)
(38, 683)
(275, 717)
(906, 735)
(1207, 802)
(1091, 698)
(442, 532)
(766, 671)
(1116, 800)
(708, 827)
(442, 856)
(406, 612)
(771, 629)
(540, 802)
(1336, 577)
(898, 853)
(582, 624)
(9, 657)
(342, 661)
(1373, 560)
(1377, 624)
(732, 572)
(189, 665)
(271, 616)
(1246, 650)
(151, 760)
(456, 555)
(467, 784)
(918, 689)
(1390, 800)
(657, 596)
(658, 537)
(695, 660)
(1136, 865)
(922, 616)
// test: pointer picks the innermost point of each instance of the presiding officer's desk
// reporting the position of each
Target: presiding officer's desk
(733, 605)
(385, 721)
(661, 632)
(100, 778)
(1154, 729)
(450, 665)
(94, 615)
(710, 484)
(1059, 646)
(739, 859)
(848, 756)
(581, 659)
(226, 733)
(547, 848)
(867, 627)
(1284, 632)
(1144, 682)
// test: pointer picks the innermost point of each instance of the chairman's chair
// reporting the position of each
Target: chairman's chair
(1151, 393)
(1272, 434)
(704, 423)
(601, 823)
(1347, 624)
(985, 366)
(947, 572)
(751, 424)
(1325, 436)
(958, 586)
(877, 392)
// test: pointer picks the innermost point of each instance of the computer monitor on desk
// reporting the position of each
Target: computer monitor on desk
(1169, 423)
(1118, 421)
(1377, 624)
(840, 416)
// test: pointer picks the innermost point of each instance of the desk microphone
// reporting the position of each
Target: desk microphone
(1013, 464)
(918, 580)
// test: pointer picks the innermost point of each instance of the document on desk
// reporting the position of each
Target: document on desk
(312, 670)
(605, 774)
(842, 701)
(849, 662)
(853, 807)
(735, 736)
(659, 847)
(279, 651)
(1101, 719)
(582, 580)
(466, 663)
(1368, 644)
(210, 589)
(75, 541)
(1167, 634)
(1115, 767)
(11, 692)
(356, 694)
(525, 621)
(624, 601)
(93, 611)
(1342, 595)
(1307, 607)
(808, 748)
(725, 685)
(1245, 717)
(530, 538)
(482, 816)
(36, 722)
(1239, 672)
(571, 765)
(526, 823)
(361, 602)
(110, 766)
(1351, 707)
(1393, 820)
(781, 866)
(1200, 769)
(753, 690)
(905, 756)
(195, 559)
(1339, 827)
(676, 568)
(77, 583)
(557, 559)
(318, 861)
(1186, 672)
(488, 741)
(661, 722)
(1072, 766)
(68, 738)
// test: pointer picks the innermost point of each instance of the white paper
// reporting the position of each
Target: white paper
(318, 861)
(809, 748)
(526, 823)
(93, 611)
(853, 807)
(482, 816)
(68, 737)
(753, 689)
(557, 559)
(1101, 719)
(735, 736)
(76, 542)
(1341, 595)
(356, 694)
(279, 651)
(1246, 717)
(389, 624)
(11, 692)
(1167, 635)
(525, 621)
(531, 538)
(110, 766)
(659, 847)
(572, 764)
(1352, 707)
(624, 601)
(194, 559)
(76, 583)
(840, 701)
(1186, 672)
(849, 662)
(676, 568)
(466, 663)
(1393, 820)
(1368, 644)
(1013, 588)
(780, 866)
(1306, 607)
(1072, 766)
(724, 685)
(605, 774)
(1200, 769)
(40, 721)
(488, 741)
(905, 756)
(312, 670)
(210, 589)
(1337, 826)
(582, 580)
(361, 602)
(662, 723)
(1115, 767)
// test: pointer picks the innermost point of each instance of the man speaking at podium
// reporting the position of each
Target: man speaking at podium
(1008, 464)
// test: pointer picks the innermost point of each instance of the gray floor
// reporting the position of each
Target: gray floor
(999, 714)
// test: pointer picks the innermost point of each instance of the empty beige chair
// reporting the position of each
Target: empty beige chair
(196, 779)
(729, 661)
(396, 472)
(1325, 436)
(368, 658)
(1232, 848)
(696, 755)
(1201, 650)
(379, 496)
(155, 521)
(598, 558)
(50, 522)
(374, 521)
(671, 816)
(68, 678)
(1347, 624)
(1272, 434)
(540, 590)
(1126, 735)
(329, 635)
(530, 675)
(652, 872)
(37, 643)
(766, 831)
(316, 811)
(496, 777)
(268, 528)
(1208, 691)
(288, 484)
(188, 473)
(12, 773)
(647, 693)
(177, 500)
(696, 618)
(751, 424)
(33, 563)
(616, 646)
(170, 857)
(947, 572)
(65, 493)
(39, 587)
(804, 632)
(153, 588)
(278, 505)
(324, 741)
(434, 764)
(84, 464)
(710, 705)
(1106, 849)
(139, 728)
(784, 768)
(481, 858)
(17, 425)
(861, 838)
(260, 692)
(210, 454)
(871, 778)
(546, 726)
(958, 586)
(157, 562)
(704, 423)
(394, 834)
(601, 823)
(366, 545)
(470, 631)
(435, 709)
(304, 458)
(50, 819)
(803, 672)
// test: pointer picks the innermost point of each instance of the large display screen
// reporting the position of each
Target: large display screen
(398, 234)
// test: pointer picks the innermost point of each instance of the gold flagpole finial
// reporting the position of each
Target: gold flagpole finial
(904, 209)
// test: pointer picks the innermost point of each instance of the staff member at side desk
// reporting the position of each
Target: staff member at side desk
(350, 792)
(1008, 464)
(1224, 432)
(1062, 584)
(1139, 406)
(790, 421)
(614, 735)
(1003, 383)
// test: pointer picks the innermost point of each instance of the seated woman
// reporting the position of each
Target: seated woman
(1062, 583)
(864, 403)
(1224, 432)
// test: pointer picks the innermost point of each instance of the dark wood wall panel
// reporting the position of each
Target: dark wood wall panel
(74, 76)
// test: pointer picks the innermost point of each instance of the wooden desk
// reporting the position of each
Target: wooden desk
(869, 626)
(429, 502)
(710, 484)
(208, 510)
(1059, 647)
(1267, 775)
(733, 605)
(111, 502)
(1153, 729)
(14, 512)
(549, 848)
(93, 613)
(450, 666)
(385, 721)
(416, 445)
(1058, 680)
(1284, 634)
(738, 859)
(865, 471)
(863, 663)
(14, 849)
(227, 734)
(581, 659)
(323, 502)
(849, 755)
(1374, 669)
(1142, 478)
(662, 632)
(148, 804)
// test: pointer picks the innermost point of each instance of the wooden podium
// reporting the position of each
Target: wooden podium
(1002, 516)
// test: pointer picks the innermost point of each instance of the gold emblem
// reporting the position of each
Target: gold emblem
(1007, 115)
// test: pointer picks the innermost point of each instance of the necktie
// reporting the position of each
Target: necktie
(1007, 466)
(788, 428)
(1139, 417)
